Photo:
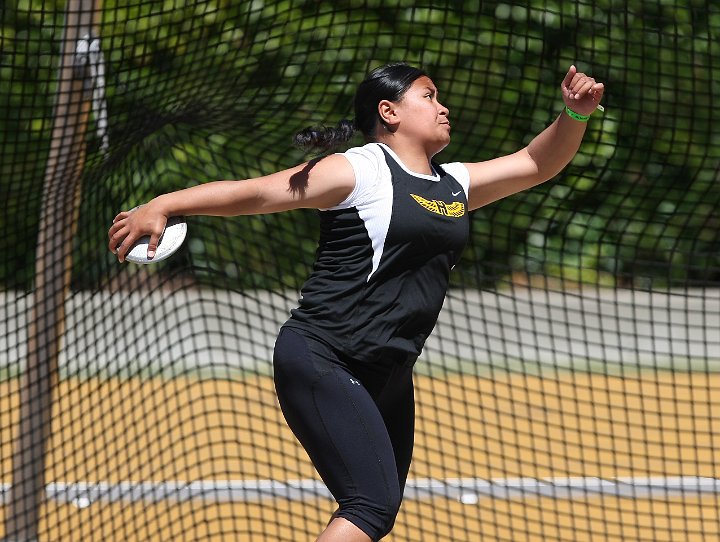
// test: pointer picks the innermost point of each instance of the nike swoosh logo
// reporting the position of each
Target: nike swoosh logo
(456, 193)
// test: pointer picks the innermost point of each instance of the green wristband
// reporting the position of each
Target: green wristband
(576, 116)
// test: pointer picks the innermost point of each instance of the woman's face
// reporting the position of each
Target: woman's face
(422, 116)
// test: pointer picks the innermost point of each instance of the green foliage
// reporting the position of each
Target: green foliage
(209, 89)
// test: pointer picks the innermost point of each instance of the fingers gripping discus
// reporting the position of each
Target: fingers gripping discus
(170, 241)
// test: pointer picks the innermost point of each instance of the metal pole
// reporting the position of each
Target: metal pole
(53, 266)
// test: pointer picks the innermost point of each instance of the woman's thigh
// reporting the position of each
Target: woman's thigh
(337, 421)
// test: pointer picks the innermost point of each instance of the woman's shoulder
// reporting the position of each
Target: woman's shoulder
(367, 161)
(369, 151)
(369, 166)
(459, 172)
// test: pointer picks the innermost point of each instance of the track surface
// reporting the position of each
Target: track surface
(510, 427)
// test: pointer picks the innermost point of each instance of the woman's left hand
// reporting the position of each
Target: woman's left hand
(581, 93)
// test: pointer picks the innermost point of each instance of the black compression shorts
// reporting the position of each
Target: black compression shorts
(356, 422)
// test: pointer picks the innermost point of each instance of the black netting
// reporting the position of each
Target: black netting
(570, 388)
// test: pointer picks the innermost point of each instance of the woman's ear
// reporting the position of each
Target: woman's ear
(388, 115)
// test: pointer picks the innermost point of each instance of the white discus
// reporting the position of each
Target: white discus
(170, 241)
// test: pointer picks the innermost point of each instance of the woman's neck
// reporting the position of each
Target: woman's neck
(415, 159)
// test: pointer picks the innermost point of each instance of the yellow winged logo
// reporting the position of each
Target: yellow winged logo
(455, 209)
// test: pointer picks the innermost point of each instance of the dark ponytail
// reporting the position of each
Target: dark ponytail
(388, 82)
(324, 139)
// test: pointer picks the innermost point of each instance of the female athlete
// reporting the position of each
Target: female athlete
(393, 224)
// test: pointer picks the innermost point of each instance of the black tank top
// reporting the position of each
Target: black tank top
(387, 312)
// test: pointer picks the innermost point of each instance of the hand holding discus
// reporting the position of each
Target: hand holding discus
(143, 237)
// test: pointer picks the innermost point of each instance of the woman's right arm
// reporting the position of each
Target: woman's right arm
(320, 183)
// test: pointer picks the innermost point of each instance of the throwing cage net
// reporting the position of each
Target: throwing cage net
(570, 390)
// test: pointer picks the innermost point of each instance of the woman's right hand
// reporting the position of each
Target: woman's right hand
(129, 226)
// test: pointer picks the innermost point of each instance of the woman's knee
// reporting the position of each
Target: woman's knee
(375, 518)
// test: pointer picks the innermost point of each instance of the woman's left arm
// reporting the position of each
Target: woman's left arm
(546, 155)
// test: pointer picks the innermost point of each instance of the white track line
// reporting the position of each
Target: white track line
(465, 490)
